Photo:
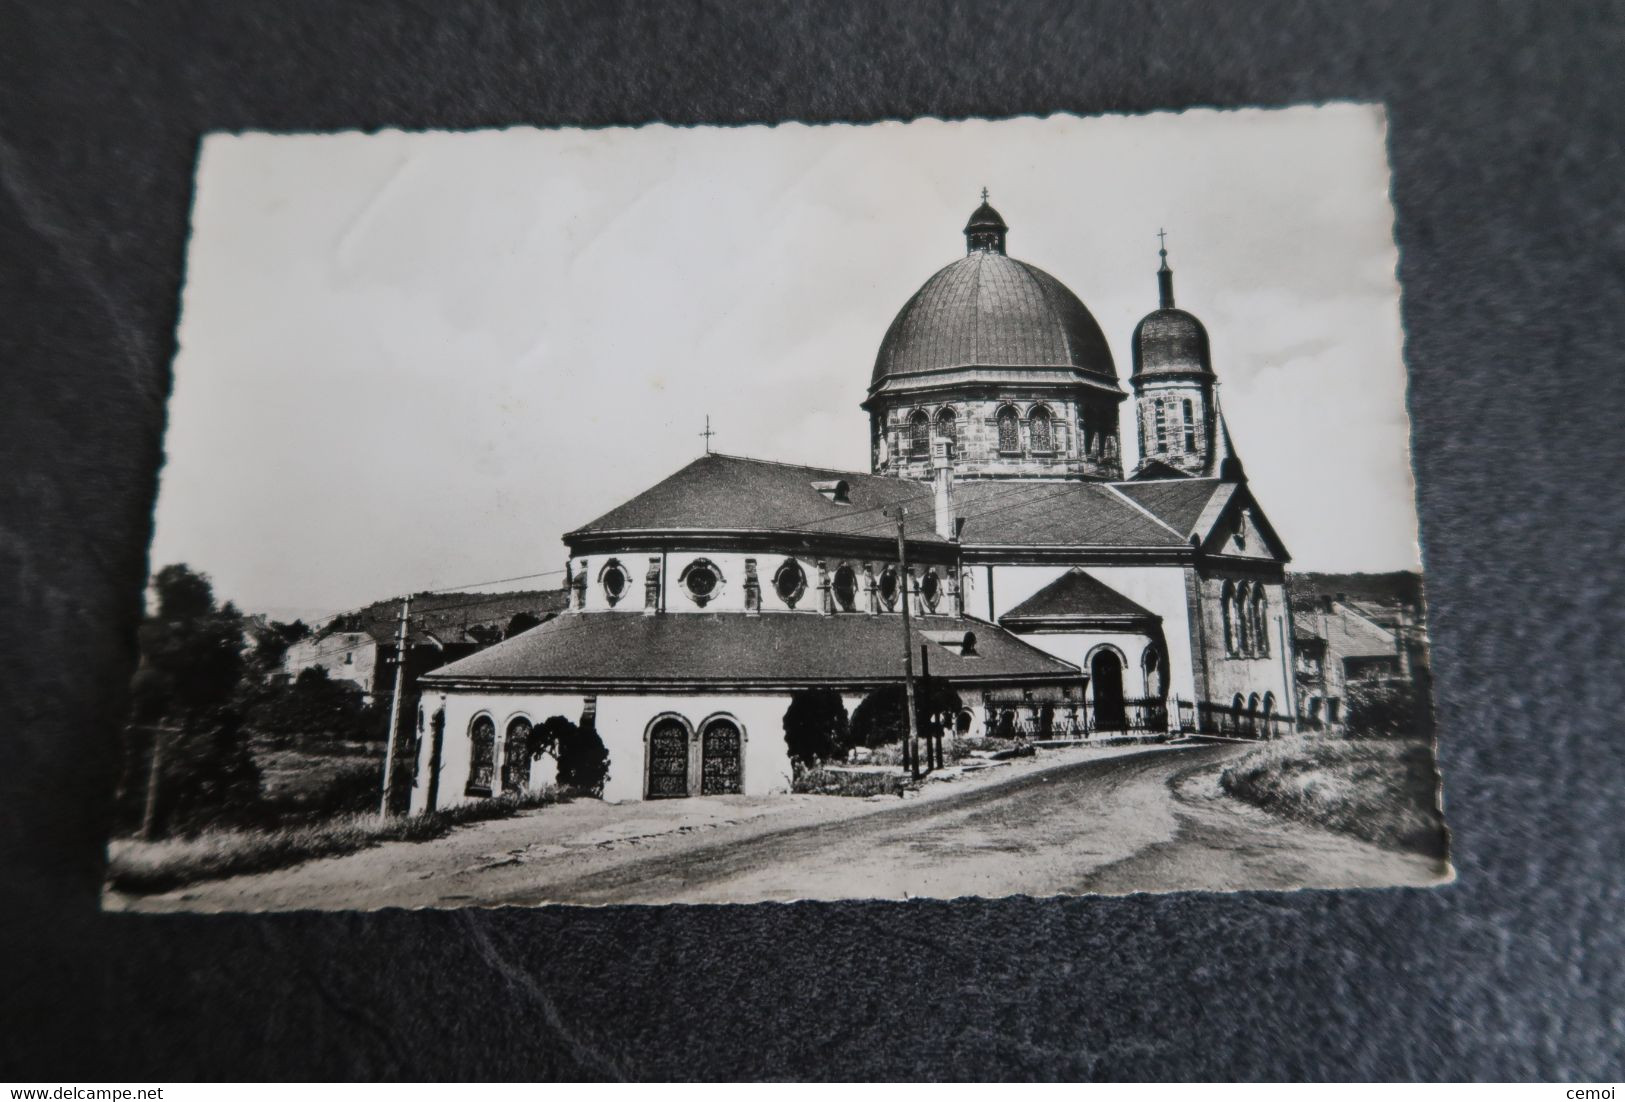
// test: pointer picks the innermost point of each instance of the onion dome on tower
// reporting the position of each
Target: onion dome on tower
(1180, 431)
(1001, 360)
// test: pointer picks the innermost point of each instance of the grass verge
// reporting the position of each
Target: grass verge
(1382, 790)
(141, 868)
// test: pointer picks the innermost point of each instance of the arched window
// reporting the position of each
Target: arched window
(482, 756)
(1261, 621)
(790, 582)
(1252, 714)
(1269, 713)
(516, 756)
(1009, 431)
(1041, 429)
(948, 425)
(1226, 605)
(919, 433)
(1160, 415)
(1190, 427)
(845, 586)
(1243, 614)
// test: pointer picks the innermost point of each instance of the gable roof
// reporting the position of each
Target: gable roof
(623, 650)
(1178, 502)
(731, 493)
(1076, 599)
(1056, 514)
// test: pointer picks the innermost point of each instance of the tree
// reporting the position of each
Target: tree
(522, 621)
(882, 717)
(198, 766)
(582, 757)
(271, 643)
(485, 634)
(816, 728)
(317, 706)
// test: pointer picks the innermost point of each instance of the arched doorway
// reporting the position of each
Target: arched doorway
(516, 756)
(1106, 678)
(721, 758)
(1269, 715)
(668, 759)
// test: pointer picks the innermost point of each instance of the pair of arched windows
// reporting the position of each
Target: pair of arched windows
(1040, 430)
(482, 757)
(919, 429)
(1166, 432)
(1246, 620)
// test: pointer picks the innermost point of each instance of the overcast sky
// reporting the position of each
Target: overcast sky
(412, 361)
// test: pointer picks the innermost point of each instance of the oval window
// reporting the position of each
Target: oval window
(790, 582)
(888, 586)
(931, 589)
(702, 580)
(846, 588)
(614, 581)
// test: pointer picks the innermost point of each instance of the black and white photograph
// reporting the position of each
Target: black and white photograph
(666, 515)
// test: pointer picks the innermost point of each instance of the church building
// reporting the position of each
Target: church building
(1059, 597)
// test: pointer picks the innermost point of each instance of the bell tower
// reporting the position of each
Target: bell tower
(1176, 409)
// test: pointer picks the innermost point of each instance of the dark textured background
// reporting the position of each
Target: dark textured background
(1506, 129)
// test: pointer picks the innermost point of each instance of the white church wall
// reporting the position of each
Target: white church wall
(621, 721)
(732, 568)
(1158, 589)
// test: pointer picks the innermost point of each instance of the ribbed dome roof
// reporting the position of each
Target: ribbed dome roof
(1171, 342)
(987, 310)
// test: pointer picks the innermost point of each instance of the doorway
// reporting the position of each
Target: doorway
(1106, 677)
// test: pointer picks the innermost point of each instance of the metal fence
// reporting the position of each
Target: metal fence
(1082, 720)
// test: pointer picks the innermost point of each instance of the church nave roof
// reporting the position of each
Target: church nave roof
(619, 650)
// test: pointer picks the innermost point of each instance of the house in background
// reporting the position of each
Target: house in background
(1353, 630)
(360, 646)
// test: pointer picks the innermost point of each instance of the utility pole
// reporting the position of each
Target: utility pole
(395, 709)
(911, 748)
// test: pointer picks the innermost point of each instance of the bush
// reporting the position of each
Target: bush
(882, 716)
(1387, 711)
(842, 782)
(316, 707)
(207, 774)
(816, 728)
(1382, 790)
(582, 756)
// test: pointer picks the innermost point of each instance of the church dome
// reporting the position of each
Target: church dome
(1171, 342)
(987, 310)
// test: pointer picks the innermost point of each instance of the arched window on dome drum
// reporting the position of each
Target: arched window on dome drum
(948, 425)
(1041, 429)
(1009, 431)
(1226, 601)
(1161, 416)
(1190, 427)
(919, 433)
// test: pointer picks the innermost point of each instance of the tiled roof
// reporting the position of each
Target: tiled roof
(987, 309)
(731, 493)
(1177, 502)
(619, 649)
(1077, 595)
(1055, 514)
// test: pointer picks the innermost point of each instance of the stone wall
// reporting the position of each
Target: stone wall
(1086, 443)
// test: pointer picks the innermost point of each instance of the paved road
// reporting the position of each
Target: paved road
(1154, 821)
(1068, 822)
